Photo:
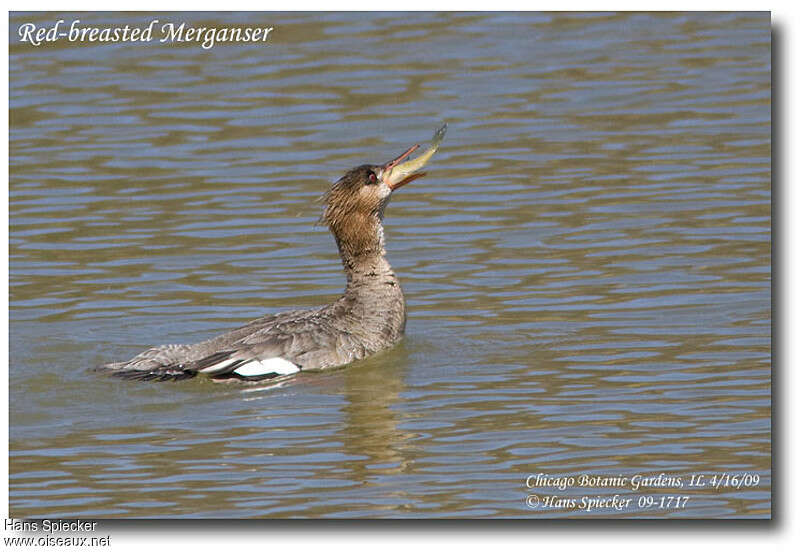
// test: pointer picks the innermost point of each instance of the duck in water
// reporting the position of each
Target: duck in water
(370, 316)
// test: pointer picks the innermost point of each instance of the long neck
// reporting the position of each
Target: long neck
(361, 247)
(373, 299)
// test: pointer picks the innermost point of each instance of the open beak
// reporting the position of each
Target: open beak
(397, 173)
(396, 178)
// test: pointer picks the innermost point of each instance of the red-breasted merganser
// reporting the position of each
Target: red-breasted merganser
(369, 317)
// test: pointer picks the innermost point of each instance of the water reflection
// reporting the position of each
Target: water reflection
(371, 418)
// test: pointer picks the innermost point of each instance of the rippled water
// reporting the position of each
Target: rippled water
(587, 264)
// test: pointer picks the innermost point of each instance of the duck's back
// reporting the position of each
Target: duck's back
(278, 345)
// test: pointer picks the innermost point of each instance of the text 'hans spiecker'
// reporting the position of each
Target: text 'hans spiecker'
(206, 37)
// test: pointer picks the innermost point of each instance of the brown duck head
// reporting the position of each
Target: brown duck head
(355, 204)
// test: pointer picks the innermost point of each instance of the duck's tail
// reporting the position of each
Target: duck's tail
(162, 363)
(156, 373)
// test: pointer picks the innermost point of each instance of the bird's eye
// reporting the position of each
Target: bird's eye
(373, 178)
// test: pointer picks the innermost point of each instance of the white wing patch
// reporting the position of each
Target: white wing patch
(218, 367)
(274, 365)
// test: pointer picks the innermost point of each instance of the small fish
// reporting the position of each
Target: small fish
(399, 174)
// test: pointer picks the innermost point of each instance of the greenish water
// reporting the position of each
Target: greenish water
(587, 263)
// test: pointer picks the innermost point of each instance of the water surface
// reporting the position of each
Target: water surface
(587, 264)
